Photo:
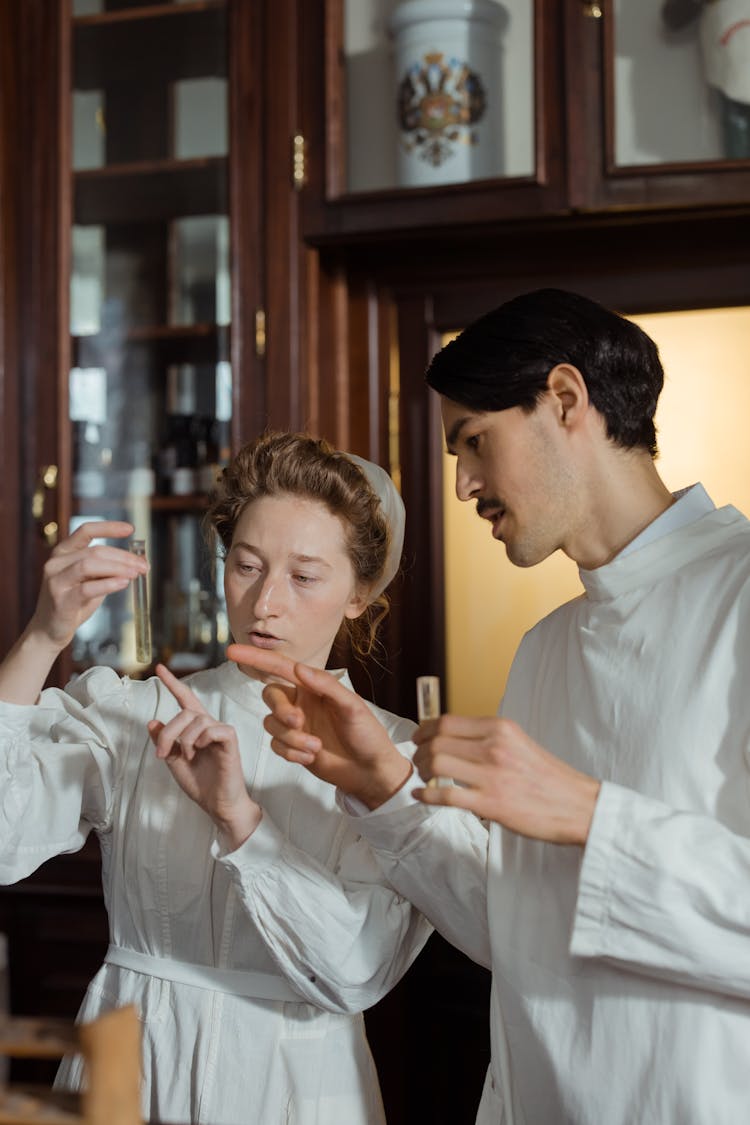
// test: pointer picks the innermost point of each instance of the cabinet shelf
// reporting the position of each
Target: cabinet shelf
(195, 502)
(170, 41)
(191, 343)
(150, 191)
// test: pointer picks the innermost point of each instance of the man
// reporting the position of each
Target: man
(609, 894)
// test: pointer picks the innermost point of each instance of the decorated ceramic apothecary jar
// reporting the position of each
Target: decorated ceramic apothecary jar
(447, 57)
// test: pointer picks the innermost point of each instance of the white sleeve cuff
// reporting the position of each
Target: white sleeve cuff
(594, 883)
(260, 850)
(355, 808)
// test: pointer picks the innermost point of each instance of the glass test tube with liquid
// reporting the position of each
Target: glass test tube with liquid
(141, 616)
(428, 707)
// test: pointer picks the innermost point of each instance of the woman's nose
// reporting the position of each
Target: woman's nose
(267, 599)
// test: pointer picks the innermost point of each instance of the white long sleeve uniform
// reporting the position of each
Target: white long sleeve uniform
(621, 973)
(302, 904)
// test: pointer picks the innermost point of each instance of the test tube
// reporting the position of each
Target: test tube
(428, 707)
(428, 697)
(141, 615)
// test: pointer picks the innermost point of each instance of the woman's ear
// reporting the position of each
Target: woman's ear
(569, 392)
(358, 603)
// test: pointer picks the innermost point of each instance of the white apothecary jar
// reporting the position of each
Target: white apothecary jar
(447, 56)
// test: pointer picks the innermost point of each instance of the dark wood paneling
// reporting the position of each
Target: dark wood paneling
(283, 252)
(11, 561)
(246, 211)
(33, 150)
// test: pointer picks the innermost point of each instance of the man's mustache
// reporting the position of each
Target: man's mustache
(488, 504)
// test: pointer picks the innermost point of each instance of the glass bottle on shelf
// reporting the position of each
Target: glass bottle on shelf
(150, 380)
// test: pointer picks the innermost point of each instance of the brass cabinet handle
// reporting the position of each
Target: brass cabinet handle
(592, 10)
(49, 533)
(47, 483)
(299, 170)
(260, 332)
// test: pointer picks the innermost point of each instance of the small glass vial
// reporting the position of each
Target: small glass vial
(428, 697)
(428, 707)
(141, 616)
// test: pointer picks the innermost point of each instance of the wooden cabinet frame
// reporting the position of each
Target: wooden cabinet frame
(331, 214)
(10, 344)
(33, 144)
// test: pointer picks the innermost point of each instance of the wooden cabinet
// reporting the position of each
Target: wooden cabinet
(149, 307)
(601, 106)
(136, 243)
(148, 247)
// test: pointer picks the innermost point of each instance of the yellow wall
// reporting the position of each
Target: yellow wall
(703, 420)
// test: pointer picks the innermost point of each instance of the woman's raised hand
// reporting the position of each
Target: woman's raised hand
(204, 759)
(319, 723)
(77, 577)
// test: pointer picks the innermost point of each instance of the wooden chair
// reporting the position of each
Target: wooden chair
(111, 1048)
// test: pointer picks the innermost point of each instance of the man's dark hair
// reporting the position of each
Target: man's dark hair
(504, 358)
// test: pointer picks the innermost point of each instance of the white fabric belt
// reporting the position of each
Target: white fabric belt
(239, 982)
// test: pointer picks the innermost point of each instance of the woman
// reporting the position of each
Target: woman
(248, 923)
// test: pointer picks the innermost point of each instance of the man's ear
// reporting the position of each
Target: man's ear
(569, 392)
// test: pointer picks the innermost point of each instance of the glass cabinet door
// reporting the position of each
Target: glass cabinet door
(681, 81)
(432, 103)
(438, 92)
(661, 115)
(150, 384)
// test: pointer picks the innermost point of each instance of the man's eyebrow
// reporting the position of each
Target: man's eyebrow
(452, 436)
